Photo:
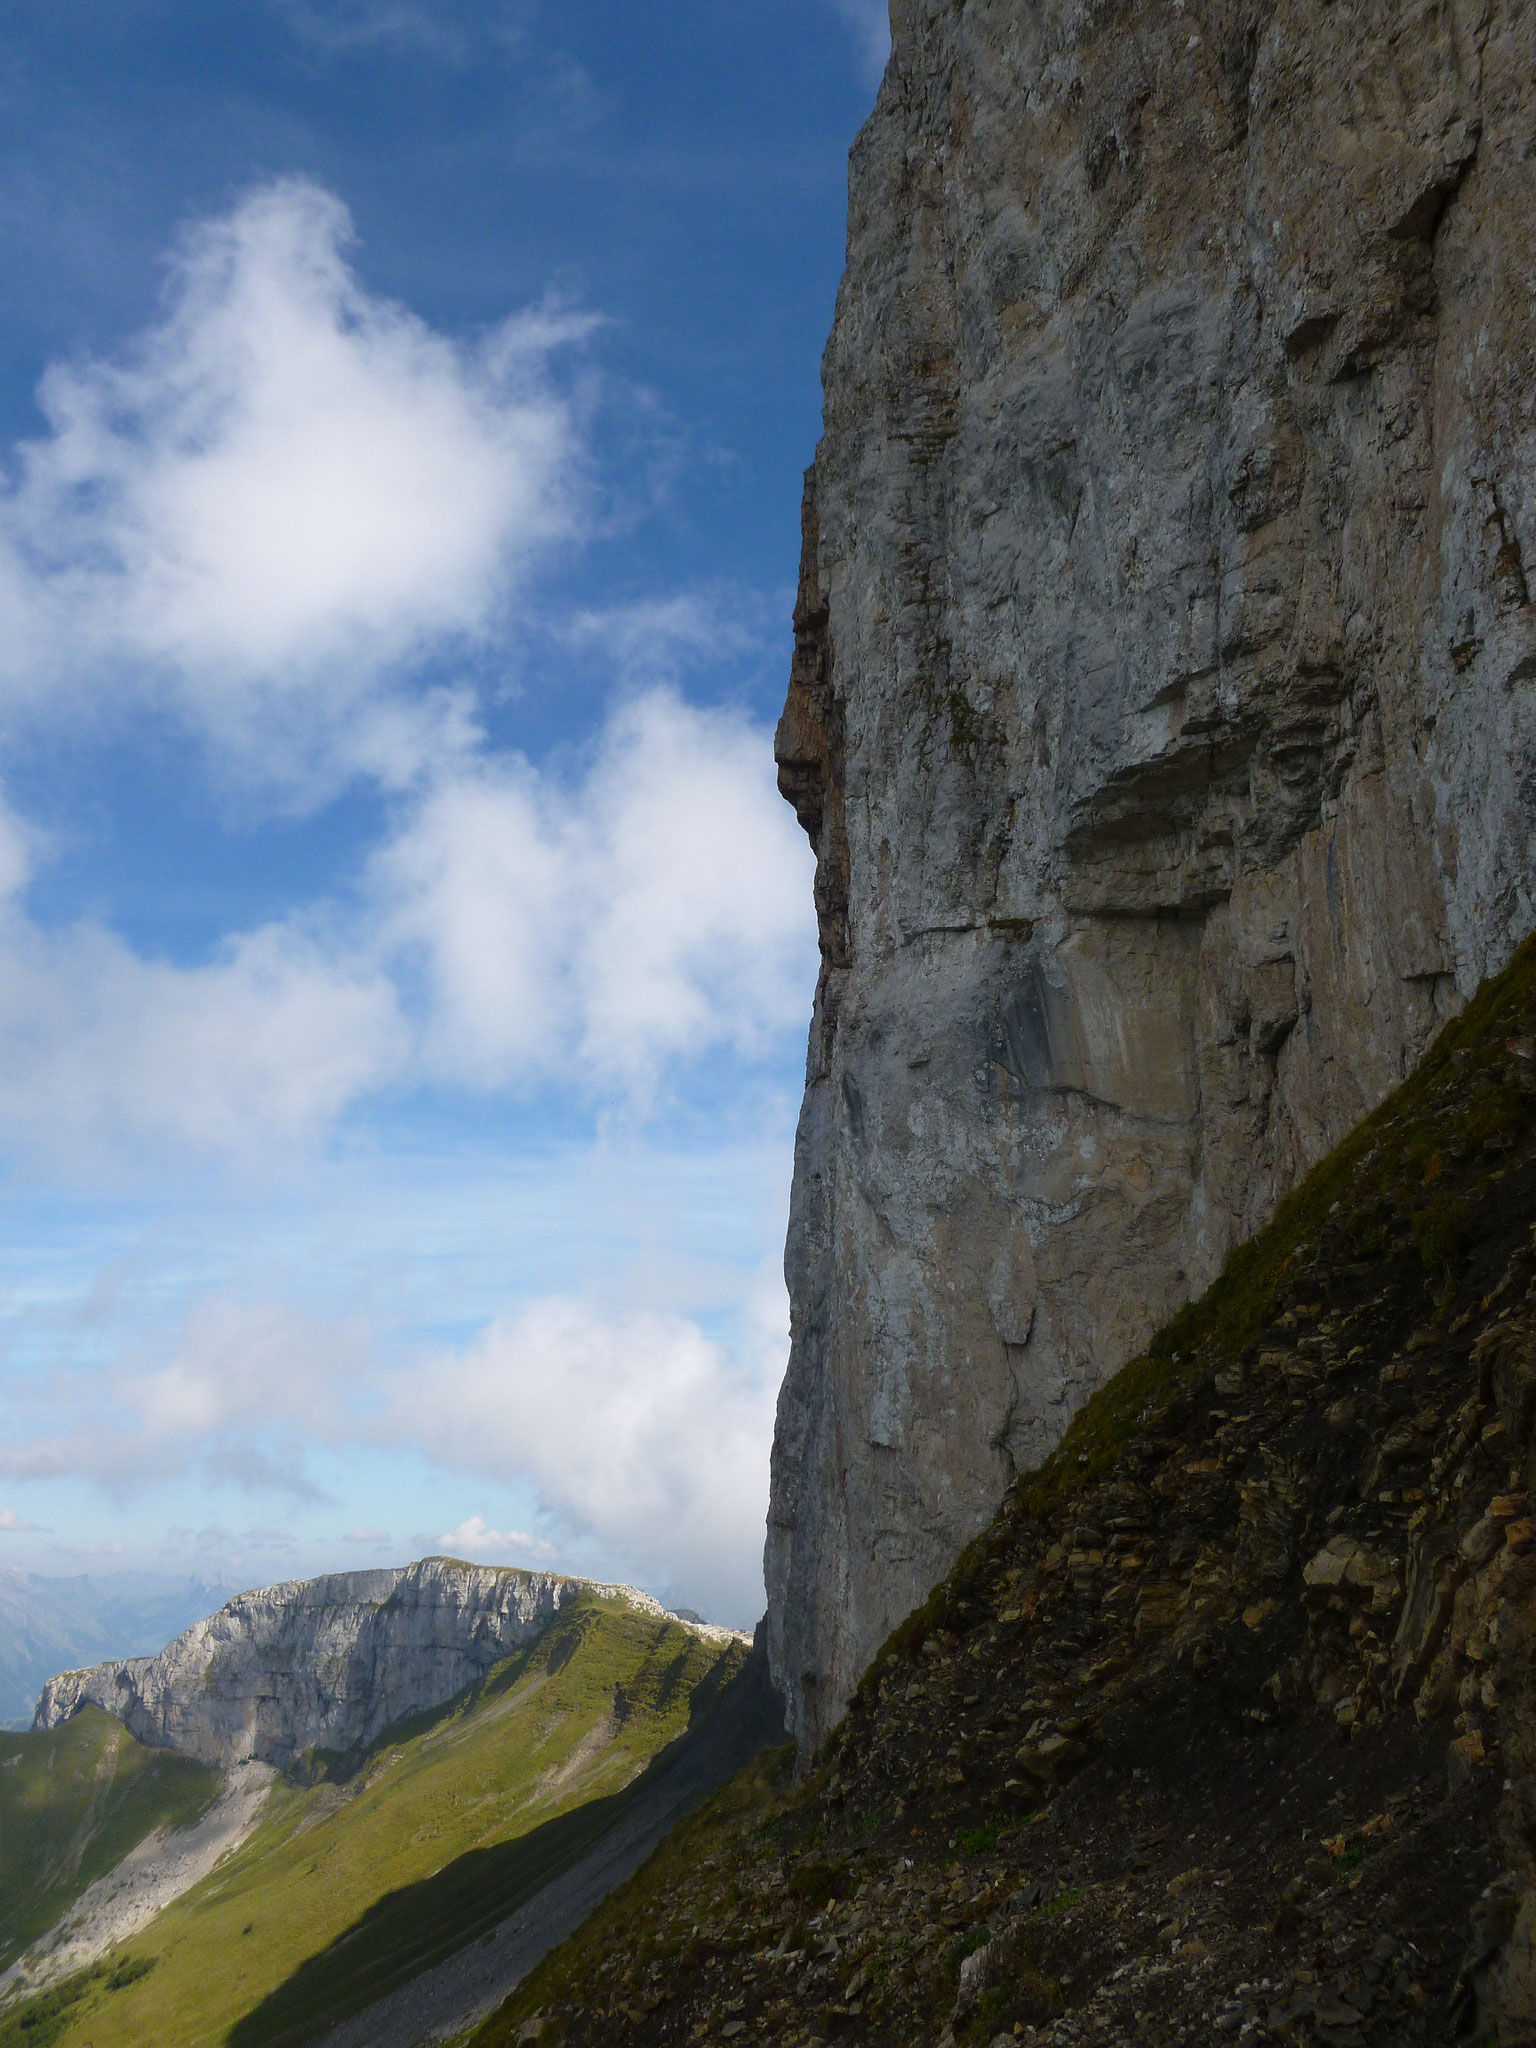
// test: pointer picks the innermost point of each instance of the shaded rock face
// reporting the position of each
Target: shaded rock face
(1163, 711)
(326, 1663)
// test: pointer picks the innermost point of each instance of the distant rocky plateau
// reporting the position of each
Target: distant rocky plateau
(327, 1665)
(1163, 710)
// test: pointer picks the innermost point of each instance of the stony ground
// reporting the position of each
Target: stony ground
(1224, 1730)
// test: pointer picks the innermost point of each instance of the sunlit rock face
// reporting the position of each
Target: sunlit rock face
(324, 1664)
(1163, 710)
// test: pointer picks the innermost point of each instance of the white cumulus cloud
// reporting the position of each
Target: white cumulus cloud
(654, 910)
(258, 517)
(520, 927)
(638, 1431)
(11, 1524)
(106, 1056)
(279, 495)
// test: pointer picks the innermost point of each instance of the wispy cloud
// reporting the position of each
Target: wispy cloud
(11, 1524)
(449, 30)
(870, 21)
(219, 1554)
(661, 639)
(240, 1388)
(477, 1540)
(414, 25)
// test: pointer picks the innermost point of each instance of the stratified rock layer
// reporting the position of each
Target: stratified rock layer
(325, 1664)
(1162, 711)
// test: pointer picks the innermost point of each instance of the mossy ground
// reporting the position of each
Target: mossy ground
(353, 1883)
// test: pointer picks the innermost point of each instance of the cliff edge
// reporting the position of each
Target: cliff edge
(1163, 711)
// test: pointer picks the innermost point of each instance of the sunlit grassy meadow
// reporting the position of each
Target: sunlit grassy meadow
(354, 1883)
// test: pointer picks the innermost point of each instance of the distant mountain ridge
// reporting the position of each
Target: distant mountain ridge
(401, 1880)
(328, 1664)
(52, 1624)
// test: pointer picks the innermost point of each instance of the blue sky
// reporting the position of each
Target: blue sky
(404, 957)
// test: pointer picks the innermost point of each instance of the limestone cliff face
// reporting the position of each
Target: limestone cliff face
(1163, 710)
(324, 1663)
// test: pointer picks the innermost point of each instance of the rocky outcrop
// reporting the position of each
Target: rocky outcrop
(326, 1664)
(1163, 711)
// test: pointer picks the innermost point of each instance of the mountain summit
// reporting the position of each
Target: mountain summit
(328, 1664)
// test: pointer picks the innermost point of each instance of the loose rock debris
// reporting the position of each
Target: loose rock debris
(1225, 1729)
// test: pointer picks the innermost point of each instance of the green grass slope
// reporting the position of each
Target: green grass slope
(355, 1883)
(73, 1802)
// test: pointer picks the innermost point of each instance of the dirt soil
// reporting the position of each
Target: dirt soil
(1224, 1731)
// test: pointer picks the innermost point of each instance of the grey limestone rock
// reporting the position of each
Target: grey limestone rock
(1163, 711)
(325, 1664)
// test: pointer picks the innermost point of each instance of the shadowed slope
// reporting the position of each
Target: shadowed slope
(1227, 1726)
(555, 1872)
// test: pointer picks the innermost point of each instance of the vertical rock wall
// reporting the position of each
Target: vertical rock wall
(1163, 711)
